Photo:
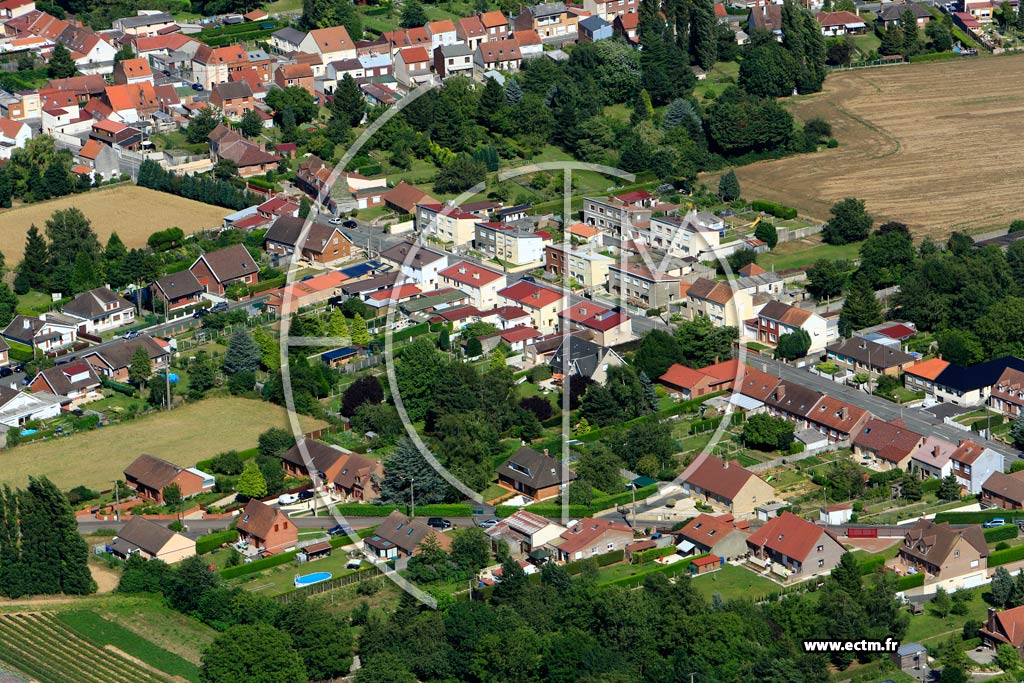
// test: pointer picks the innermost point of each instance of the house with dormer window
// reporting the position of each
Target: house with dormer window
(100, 310)
(948, 557)
(534, 475)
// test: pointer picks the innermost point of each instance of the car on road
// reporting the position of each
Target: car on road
(220, 307)
(998, 521)
(6, 371)
(487, 523)
(340, 529)
(439, 523)
(198, 87)
(201, 313)
(132, 334)
(336, 220)
(350, 224)
(287, 499)
(306, 495)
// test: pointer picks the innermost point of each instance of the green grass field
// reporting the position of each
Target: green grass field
(183, 436)
(102, 632)
(281, 579)
(929, 629)
(803, 253)
(733, 582)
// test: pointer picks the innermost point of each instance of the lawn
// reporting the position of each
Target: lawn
(720, 77)
(806, 252)
(733, 582)
(114, 209)
(183, 436)
(102, 632)
(33, 301)
(281, 579)
(929, 629)
(151, 618)
(866, 43)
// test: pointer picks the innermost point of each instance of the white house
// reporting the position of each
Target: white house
(834, 515)
(481, 284)
(100, 310)
(417, 263)
(17, 408)
(13, 135)
(332, 44)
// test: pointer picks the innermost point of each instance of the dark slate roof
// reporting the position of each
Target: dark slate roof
(233, 90)
(976, 376)
(893, 11)
(322, 455)
(119, 354)
(289, 35)
(382, 281)
(535, 469)
(402, 531)
(143, 534)
(59, 378)
(177, 285)
(91, 305)
(230, 263)
(865, 350)
(584, 356)
(593, 23)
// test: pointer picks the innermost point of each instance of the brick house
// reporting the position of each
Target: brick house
(888, 445)
(219, 269)
(323, 243)
(113, 360)
(266, 528)
(800, 547)
(1004, 491)
(177, 290)
(863, 355)
(725, 483)
(215, 65)
(249, 158)
(974, 464)
(233, 98)
(74, 381)
(1008, 393)
(535, 475)
(295, 76)
(591, 537)
(836, 419)
(1004, 627)
(151, 540)
(149, 476)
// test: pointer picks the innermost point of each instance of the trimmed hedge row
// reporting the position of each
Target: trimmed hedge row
(979, 517)
(648, 556)
(126, 389)
(870, 565)
(276, 560)
(773, 208)
(577, 511)
(933, 57)
(212, 541)
(915, 580)
(671, 569)
(1001, 533)
(602, 561)
(550, 511)
(441, 510)
(998, 557)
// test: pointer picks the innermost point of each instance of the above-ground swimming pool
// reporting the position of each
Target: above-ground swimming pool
(310, 579)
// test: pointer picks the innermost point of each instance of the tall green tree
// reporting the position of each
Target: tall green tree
(729, 186)
(349, 104)
(850, 222)
(413, 14)
(251, 125)
(8, 304)
(242, 353)
(70, 234)
(257, 653)
(114, 254)
(406, 472)
(861, 308)
(251, 483)
(327, 13)
(201, 125)
(358, 331)
(141, 368)
(703, 34)
(911, 34)
(323, 640)
(61, 64)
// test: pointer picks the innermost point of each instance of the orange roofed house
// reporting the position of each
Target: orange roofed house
(149, 476)
(788, 544)
(1004, 627)
(295, 76)
(265, 528)
(688, 383)
(591, 537)
(726, 484)
(215, 65)
(249, 157)
(355, 477)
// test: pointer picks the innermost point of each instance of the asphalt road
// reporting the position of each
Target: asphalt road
(916, 419)
(200, 527)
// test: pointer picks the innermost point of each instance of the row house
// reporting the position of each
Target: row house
(498, 55)
(551, 21)
(146, 24)
(610, 9)
(495, 24)
(776, 319)
(887, 445)
(295, 76)
(689, 236)
(508, 243)
(12, 9)
(609, 326)
(131, 71)
(416, 263)
(963, 386)
(643, 286)
(412, 67)
(215, 65)
(403, 38)
(724, 304)
(452, 224)
(453, 60)
(948, 557)
(286, 40)
(1008, 393)
(329, 44)
(618, 215)
(442, 32)
(933, 458)
(863, 355)
(234, 99)
(481, 284)
(542, 303)
(471, 31)
(584, 266)
(836, 419)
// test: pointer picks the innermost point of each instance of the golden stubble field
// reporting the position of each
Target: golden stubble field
(931, 145)
(183, 436)
(133, 212)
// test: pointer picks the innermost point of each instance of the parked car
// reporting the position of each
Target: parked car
(201, 313)
(198, 87)
(350, 224)
(487, 523)
(132, 334)
(335, 220)
(340, 529)
(306, 495)
(220, 307)
(6, 371)
(439, 524)
(287, 499)
(998, 521)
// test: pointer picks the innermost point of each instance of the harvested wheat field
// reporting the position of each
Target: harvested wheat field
(931, 145)
(183, 436)
(133, 212)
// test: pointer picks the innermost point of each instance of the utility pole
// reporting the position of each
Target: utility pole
(412, 496)
(632, 488)
(117, 502)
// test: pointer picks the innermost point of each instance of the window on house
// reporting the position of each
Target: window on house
(821, 548)
(821, 563)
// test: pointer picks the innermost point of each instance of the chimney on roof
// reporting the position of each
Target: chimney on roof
(935, 452)
(545, 451)
(844, 413)
(780, 392)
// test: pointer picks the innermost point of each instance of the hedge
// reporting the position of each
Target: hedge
(277, 560)
(933, 57)
(775, 209)
(648, 556)
(554, 510)
(671, 569)
(1001, 533)
(871, 564)
(551, 511)
(917, 580)
(364, 510)
(602, 561)
(998, 557)
(979, 517)
(126, 389)
(212, 541)
(20, 352)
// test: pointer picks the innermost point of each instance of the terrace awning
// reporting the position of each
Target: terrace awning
(685, 546)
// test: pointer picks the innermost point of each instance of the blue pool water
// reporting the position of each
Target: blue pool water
(28, 432)
(310, 579)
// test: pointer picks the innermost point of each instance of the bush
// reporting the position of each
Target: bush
(774, 209)
(648, 556)
(796, 447)
(871, 565)
(969, 517)
(601, 561)
(1001, 533)
(917, 580)
(212, 541)
(998, 557)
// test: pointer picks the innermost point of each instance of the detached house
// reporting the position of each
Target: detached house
(535, 475)
(524, 532)
(249, 157)
(777, 319)
(1004, 626)
(800, 547)
(887, 445)
(100, 310)
(266, 528)
(149, 476)
(543, 304)
(1004, 491)
(13, 135)
(719, 535)
(177, 290)
(220, 269)
(480, 283)
(331, 44)
(591, 537)
(48, 332)
(77, 382)
(151, 540)
(114, 359)
(1008, 393)
(323, 243)
(234, 99)
(399, 535)
(725, 483)
(498, 55)
(948, 557)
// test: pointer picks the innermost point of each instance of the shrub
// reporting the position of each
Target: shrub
(916, 580)
(212, 541)
(998, 557)
(774, 209)
(871, 565)
(648, 556)
(1001, 533)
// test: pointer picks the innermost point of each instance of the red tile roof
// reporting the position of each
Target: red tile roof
(892, 441)
(530, 294)
(711, 474)
(586, 532)
(788, 535)
(967, 452)
(519, 333)
(898, 331)
(467, 273)
(683, 377)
